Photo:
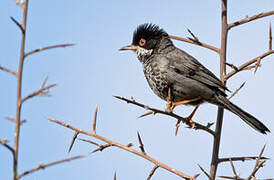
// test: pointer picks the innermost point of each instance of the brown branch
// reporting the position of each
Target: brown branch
(248, 19)
(95, 119)
(38, 92)
(141, 145)
(19, 90)
(231, 177)
(43, 166)
(243, 66)
(270, 38)
(197, 126)
(152, 172)
(233, 169)
(8, 70)
(220, 113)
(258, 64)
(47, 48)
(73, 140)
(14, 120)
(126, 148)
(4, 143)
(191, 41)
(195, 38)
(245, 158)
(18, 24)
(202, 169)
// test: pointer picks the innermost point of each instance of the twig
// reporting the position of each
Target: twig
(195, 42)
(233, 169)
(18, 24)
(89, 141)
(126, 148)
(36, 93)
(236, 91)
(197, 126)
(73, 140)
(232, 66)
(141, 145)
(195, 38)
(152, 172)
(248, 19)
(245, 158)
(47, 48)
(258, 64)
(202, 169)
(8, 70)
(231, 177)
(14, 121)
(4, 143)
(241, 67)
(43, 166)
(94, 119)
(270, 37)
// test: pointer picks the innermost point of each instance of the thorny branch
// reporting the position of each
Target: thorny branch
(197, 126)
(8, 70)
(126, 148)
(4, 143)
(43, 166)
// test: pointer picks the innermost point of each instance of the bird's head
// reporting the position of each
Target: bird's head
(147, 39)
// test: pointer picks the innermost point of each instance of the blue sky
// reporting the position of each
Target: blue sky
(94, 70)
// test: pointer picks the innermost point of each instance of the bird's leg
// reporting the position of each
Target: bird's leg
(171, 105)
(189, 118)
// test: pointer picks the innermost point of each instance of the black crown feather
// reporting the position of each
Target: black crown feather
(147, 31)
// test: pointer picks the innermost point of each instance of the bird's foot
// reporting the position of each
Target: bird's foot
(171, 105)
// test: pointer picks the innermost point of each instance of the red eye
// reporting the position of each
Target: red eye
(142, 42)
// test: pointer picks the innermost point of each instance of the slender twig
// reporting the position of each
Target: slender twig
(245, 158)
(236, 91)
(195, 42)
(73, 140)
(141, 145)
(18, 24)
(126, 148)
(233, 169)
(47, 48)
(195, 38)
(38, 92)
(43, 166)
(248, 19)
(152, 172)
(4, 143)
(204, 171)
(89, 141)
(243, 66)
(14, 120)
(258, 64)
(197, 126)
(8, 70)
(19, 90)
(220, 114)
(95, 119)
(270, 37)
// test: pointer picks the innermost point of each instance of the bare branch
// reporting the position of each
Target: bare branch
(18, 24)
(248, 19)
(152, 172)
(47, 48)
(141, 145)
(245, 158)
(12, 119)
(197, 126)
(258, 64)
(243, 66)
(43, 166)
(94, 119)
(191, 41)
(4, 143)
(8, 70)
(270, 37)
(233, 169)
(195, 38)
(89, 141)
(126, 148)
(39, 92)
(236, 91)
(73, 140)
(204, 171)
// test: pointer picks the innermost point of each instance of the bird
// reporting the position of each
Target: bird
(177, 77)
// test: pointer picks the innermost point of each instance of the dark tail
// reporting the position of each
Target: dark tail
(248, 118)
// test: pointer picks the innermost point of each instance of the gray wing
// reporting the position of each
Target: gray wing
(186, 65)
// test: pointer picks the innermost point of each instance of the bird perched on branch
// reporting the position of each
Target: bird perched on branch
(179, 78)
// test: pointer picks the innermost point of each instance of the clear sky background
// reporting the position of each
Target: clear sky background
(94, 70)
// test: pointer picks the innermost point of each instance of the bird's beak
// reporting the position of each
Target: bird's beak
(129, 47)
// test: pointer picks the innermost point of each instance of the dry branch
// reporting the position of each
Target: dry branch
(126, 148)
(8, 70)
(141, 145)
(236, 91)
(4, 143)
(270, 38)
(18, 24)
(47, 48)
(197, 126)
(243, 66)
(95, 119)
(244, 158)
(248, 19)
(204, 171)
(43, 166)
(152, 172)
(73, 140)
(191, 41)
